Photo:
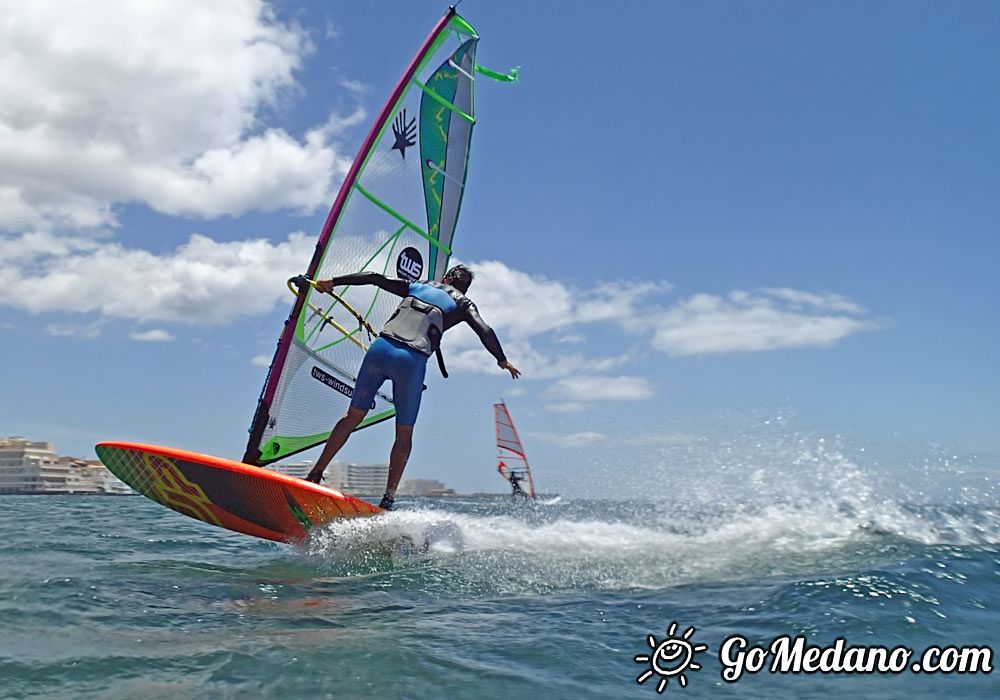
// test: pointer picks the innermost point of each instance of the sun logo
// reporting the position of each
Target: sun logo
(670, 658)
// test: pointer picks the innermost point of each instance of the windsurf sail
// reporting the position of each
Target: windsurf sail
(511, 460)
(395, 214)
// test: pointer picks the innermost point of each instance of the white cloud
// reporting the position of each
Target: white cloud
(568, 407)
(201, 282)
(158, 103)
(593, 388)
(527, 305)
(747, 322)
(266, 172)
(36, 244)
(528, 312)
(826, 301)
(572, 440)
(519, 303)
(155, 335)
(74, 330)
(618, 302)
(537, 318)
(355, 86)
(261, 360)
(464, 353)
(208, 282)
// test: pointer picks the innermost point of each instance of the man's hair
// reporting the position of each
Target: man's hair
(459, 277)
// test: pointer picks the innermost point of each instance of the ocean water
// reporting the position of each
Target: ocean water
(104, 597)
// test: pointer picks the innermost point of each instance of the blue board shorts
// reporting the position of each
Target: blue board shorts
(387, 359)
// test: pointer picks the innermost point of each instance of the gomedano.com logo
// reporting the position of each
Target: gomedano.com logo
(669, 658)
(787, 655)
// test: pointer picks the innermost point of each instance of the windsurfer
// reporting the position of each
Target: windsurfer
(410, 336)
(515, 484)
(514, 478)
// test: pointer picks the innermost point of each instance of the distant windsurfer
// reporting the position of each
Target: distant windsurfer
(515, 484)
(400, 353)
(514, 478)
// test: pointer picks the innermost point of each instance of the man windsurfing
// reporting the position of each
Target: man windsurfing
(515, 481)
(515, 484)
(400, 353)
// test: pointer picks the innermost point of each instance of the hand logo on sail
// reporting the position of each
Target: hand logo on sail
(405, 133)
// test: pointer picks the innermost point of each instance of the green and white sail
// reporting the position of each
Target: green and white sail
(395, 214)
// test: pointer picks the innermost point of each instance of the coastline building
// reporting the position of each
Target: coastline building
(81, 478)
(424, 487)
(297, 469)
(355, 479)
(33, 467)
(29, 467)
(301, 470)
(90, 476)
(364, 479)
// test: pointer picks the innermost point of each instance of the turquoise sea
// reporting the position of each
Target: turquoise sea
(117, 597)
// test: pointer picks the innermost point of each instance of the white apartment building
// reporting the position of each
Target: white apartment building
(352, 478)
(30, 467)
(90, 476)
(422, 487)
(363, 479)
(301, 470)
(81, 478)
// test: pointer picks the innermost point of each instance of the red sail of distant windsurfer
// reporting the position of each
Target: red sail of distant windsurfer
(511, 460)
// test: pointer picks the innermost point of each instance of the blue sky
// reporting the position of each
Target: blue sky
(688, 219)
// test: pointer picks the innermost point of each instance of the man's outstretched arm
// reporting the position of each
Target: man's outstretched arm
(489, 339)
(398, 287)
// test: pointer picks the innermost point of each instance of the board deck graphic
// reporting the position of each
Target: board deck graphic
(229, 494)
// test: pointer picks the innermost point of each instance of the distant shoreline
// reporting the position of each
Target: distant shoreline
(67, 493)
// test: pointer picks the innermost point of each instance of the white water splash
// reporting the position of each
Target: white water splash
(803, 508)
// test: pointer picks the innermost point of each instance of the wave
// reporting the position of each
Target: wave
(601, 545)
(811, 515)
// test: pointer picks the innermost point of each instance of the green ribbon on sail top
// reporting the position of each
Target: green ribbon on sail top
(508, 77)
